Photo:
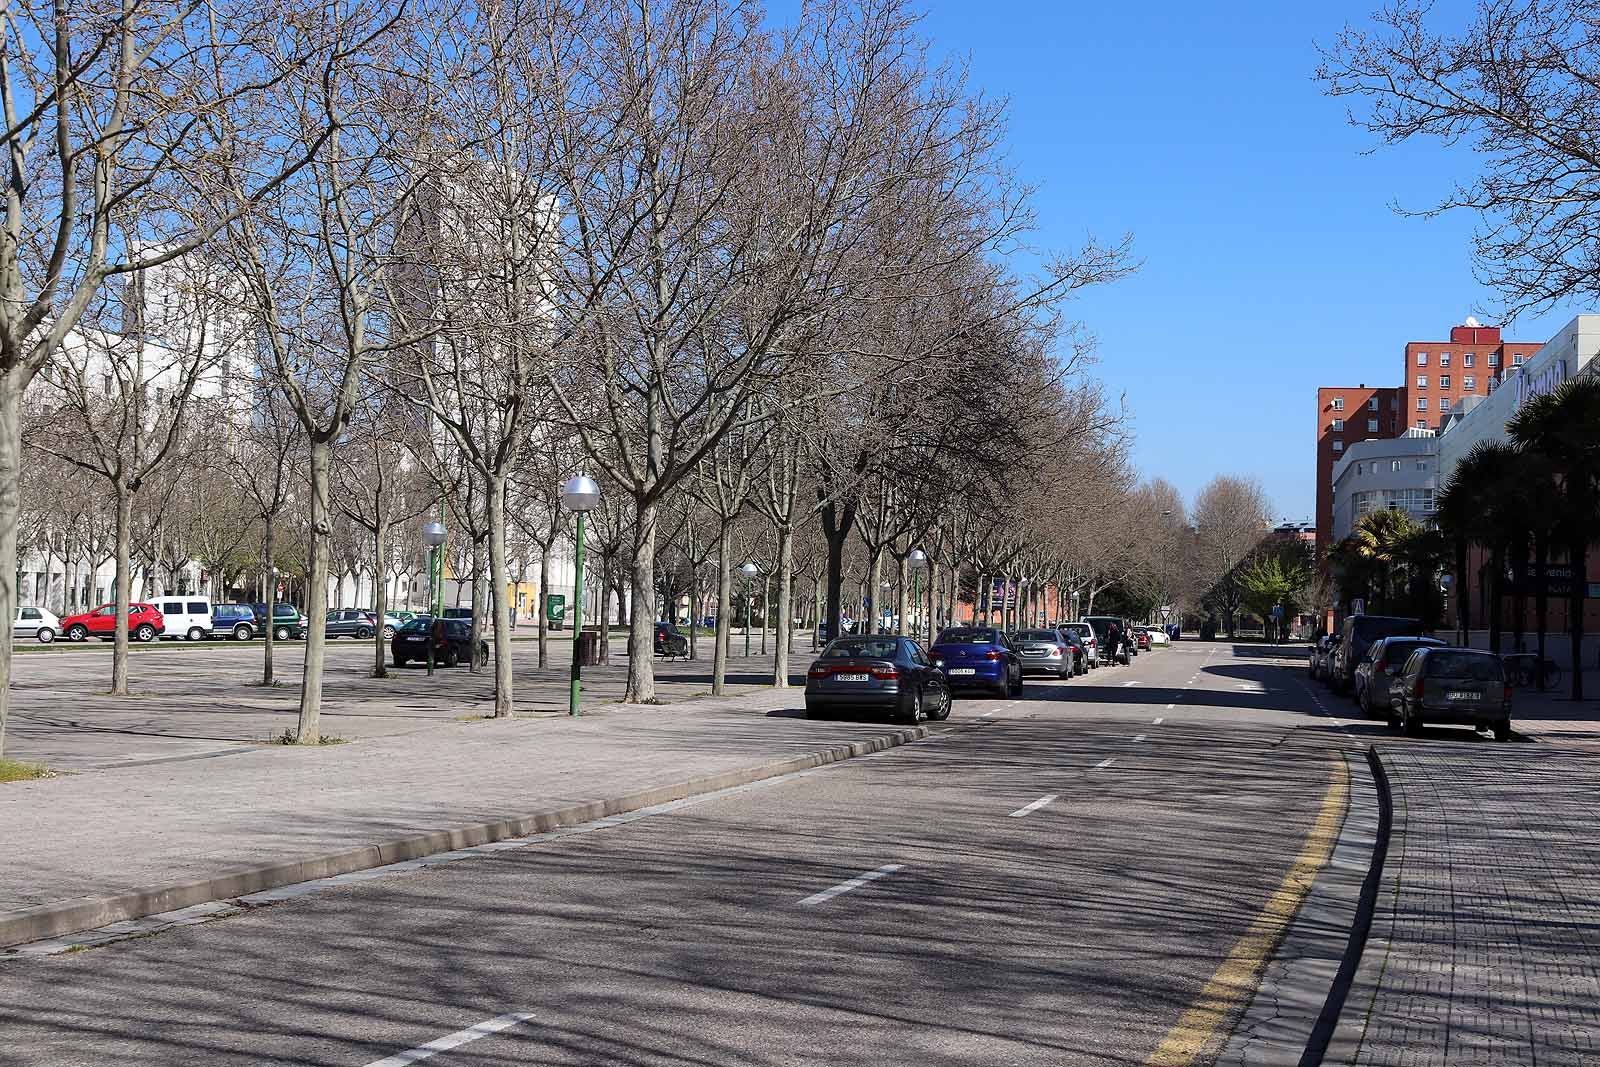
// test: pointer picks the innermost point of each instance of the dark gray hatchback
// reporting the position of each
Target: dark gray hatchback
(1453, 686)
(878, 673)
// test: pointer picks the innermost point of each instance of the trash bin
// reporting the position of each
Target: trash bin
(587, 648)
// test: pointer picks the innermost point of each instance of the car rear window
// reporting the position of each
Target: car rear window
(1369, 628)
(1479, 667)
(1037, 635)
(859, 648)
(966, 637)
(1400, 651)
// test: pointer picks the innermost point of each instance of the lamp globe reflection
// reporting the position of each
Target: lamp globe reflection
(580, 494)
(433, 534)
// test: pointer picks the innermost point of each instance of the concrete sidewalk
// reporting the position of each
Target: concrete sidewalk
(85, 850)
(1484, 946)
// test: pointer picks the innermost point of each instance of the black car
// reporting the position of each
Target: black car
(236, 621)
(1457, 686)
(452, 642)
(287, 622)
(1357, 635)
(882, 673)
(670, 641)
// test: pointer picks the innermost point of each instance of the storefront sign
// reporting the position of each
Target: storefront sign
(1530, 386)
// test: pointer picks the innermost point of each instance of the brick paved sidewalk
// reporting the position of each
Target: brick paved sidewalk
(114, 831)
(1485, 943)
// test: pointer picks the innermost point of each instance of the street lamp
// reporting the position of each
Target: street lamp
(579, 496)
(433, 537)
(918, 562)
(749, 570)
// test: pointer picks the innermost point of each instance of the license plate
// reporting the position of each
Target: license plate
(1463, 696)
(851, 677)
(962, 670)
(416, 640)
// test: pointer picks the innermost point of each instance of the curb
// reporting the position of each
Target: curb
(88, 913)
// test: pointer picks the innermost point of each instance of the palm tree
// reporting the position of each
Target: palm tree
(1483, 503)
(1380, 537)
(1563, 427)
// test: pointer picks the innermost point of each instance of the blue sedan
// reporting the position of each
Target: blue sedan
(979, 657)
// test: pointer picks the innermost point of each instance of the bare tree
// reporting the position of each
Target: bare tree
(1231, 517)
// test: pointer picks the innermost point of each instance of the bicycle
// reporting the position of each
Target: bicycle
(1527, 670)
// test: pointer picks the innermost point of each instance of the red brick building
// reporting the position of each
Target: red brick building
(1437, 376)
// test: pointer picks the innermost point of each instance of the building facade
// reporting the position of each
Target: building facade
(1347, 415)
(1386, 474)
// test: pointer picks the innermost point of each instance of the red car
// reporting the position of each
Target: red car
(1142, 635)
(144, 623)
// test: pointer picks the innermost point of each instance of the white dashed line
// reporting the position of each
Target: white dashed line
(1105, 763)
(1139, 738)
(455, 1040)
(1169, 708)
(1158, 722)
(855, 883)
(1029, 809)
(1126, 684)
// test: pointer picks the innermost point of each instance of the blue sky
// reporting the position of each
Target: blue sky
(1273, 262)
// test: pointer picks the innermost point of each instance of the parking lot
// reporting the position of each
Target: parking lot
(198, 701)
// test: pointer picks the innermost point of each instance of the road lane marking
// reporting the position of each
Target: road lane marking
(455, 1040)
(1126, 684)
(1105, 763)
(855, 883)
(1169, 708)
(1158, 722)
(1139, 738)
(1237, 977)
(1029, 809)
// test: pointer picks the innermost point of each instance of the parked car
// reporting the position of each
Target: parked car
(882, 673)
(144, 623)
(452, 644)
(237, 621)
(287, 620)
(670, 641)
(350, 622)
(979, 657)
(1359, 631)
(464, 614)
(1141, 637)
(1091, 643)
(1320, 662)
(1159, 636)
(1080, 656)
(1106, 630)
(186, 618)
(1455, 686)
(37, 623)
(1047, 651)
(1380, 666)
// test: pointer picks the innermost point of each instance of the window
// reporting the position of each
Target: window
(1444, 403)
(1444, 381)
(1359, 470)
(1422, 381)
(1338, 403)
(1422, 464)
(1518, 359)
(1372, 425)
(1338, 446)
(105, 382)
(31, 614)
(1422, 424)
(1422, 403)
(1494, 359)
(197, 607)
(1467, 359)
(1394, 466)
(1444, 359)
(172, 608)
(1338, 425)
(1372, 404)
(1422, 359)
(1469, 383)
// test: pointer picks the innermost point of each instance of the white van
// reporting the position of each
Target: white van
(186, 617)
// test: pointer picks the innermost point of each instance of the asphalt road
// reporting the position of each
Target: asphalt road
(1052, 880)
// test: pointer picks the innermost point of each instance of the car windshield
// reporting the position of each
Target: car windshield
(861, 648)
(1037, 635)
(1476, 666)
(966, 637)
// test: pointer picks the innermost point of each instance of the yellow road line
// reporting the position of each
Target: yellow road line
(1236, 978)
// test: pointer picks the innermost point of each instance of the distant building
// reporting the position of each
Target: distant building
(1386, 474)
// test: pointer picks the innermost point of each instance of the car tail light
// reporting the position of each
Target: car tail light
(1056, 650)
(818, 672)
(886, 674)
(991, 654)
(1416, 690)
(1507, 695)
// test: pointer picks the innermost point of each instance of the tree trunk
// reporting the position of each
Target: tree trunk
(875, 590)
(541, 608)
(10, 514)
(902, 602)
(124, 581)
(503, 601)
(1463, 595)
(310, 726)
(641, 687)
(1578, 553)
(603, 616)
(719, 657)
(780, 659)
(380, 597)
(480, 607)
(1497, 566)
(270, 596)
(1541, 595)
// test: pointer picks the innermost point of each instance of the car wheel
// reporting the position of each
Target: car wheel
(1502, 730)
(1064, 673)
(280, 633)
(1412, 725)
(388, 633)
(77, 632)
(1016, 686)
(813, 713)
(45, 635)
(1362, 703)
(942, 712)
(241, 632)
(450, 657)
(195, 634)
(364, 633)
(399, 660)
(145, 633)
(914, 712)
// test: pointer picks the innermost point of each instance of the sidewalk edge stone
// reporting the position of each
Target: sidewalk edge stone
(88, 913)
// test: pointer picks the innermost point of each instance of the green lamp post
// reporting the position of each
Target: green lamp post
(579, 496)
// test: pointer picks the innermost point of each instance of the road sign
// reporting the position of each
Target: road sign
(555, 607)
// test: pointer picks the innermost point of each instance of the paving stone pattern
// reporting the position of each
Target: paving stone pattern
(1485, 945)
